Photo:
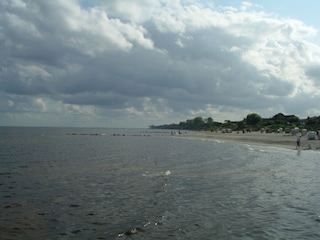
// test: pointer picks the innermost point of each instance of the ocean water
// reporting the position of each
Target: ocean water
(77, 183)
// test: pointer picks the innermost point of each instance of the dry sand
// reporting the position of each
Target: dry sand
(271, 139)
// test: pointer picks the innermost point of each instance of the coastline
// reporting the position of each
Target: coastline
(279, 140)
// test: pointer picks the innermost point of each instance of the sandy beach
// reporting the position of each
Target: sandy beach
(282, 140)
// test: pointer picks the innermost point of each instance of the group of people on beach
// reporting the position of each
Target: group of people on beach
(299, 141)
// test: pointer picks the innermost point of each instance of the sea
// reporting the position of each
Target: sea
(100, 183)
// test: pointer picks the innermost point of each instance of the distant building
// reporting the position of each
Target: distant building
(281, 116)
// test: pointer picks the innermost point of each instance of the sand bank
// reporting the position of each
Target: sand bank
(271, 139)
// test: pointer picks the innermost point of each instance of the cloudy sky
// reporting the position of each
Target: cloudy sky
(126, 63)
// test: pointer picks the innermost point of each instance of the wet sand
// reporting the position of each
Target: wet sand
(281, 140)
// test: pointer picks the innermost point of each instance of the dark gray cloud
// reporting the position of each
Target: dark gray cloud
(102, 61)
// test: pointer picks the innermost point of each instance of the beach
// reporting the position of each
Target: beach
(281, 140)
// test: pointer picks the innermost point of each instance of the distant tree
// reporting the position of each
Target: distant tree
(210, 121)
(198, 122)
(293, 120)
(253, 119)
(311, 120)
(189, 124)
(182, 124)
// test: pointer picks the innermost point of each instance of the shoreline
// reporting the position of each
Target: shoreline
(279, 140)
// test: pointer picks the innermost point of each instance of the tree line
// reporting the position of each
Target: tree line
(252, 121)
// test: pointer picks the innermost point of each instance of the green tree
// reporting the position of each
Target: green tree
(294, 120)
(253, 119)
(198, 122)
(210, 121)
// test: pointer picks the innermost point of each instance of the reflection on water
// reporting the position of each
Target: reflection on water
(110, 185)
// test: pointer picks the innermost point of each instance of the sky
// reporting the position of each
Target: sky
(111, 63)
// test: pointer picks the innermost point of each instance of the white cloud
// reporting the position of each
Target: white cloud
(78, 109)
(41, 104)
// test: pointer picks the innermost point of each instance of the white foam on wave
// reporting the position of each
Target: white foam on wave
(250, 148)
(218, 141)
(166, 173)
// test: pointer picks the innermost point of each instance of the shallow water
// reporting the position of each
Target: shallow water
(74, 183)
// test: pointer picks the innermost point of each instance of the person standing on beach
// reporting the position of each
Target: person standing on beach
(298, 142)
